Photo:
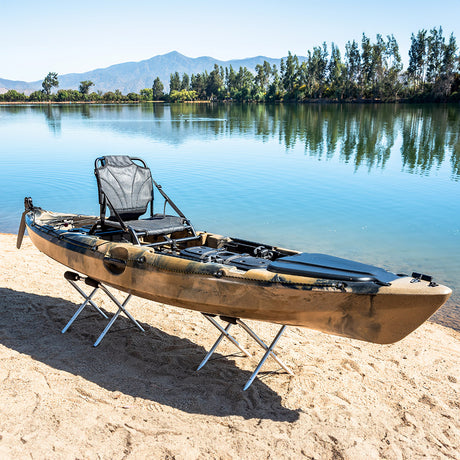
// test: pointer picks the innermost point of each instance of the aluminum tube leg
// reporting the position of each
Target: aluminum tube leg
(263, 345)
(109, 325)
(213, 349)
(223, 331)
(266, 355)
(122, 306)
(115, 316)
(82, 306)
(75, 285)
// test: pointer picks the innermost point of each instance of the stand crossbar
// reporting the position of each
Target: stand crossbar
(72, 278)
(224, 332)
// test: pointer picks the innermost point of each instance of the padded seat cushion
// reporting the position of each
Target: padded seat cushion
(158, 225)
(329, 267)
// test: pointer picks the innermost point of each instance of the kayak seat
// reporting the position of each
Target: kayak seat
(126, 189)
(158, 224)
(329, 267)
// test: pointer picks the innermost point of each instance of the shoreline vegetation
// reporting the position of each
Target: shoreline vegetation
(310, 101)
(370, 72)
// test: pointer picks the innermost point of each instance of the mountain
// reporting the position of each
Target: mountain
(134, 76)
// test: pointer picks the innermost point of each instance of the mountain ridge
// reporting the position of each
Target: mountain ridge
(132, 76)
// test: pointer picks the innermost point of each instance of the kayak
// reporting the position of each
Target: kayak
(235, 278)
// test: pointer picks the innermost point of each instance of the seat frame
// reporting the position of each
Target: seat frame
(119, 223)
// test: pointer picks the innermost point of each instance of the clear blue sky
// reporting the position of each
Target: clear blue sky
(76, 36)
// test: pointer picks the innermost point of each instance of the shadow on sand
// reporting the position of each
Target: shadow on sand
(155, 365)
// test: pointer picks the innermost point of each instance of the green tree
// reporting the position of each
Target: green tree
(109, 96)
(273, 93)
(448, 61)
(198, 84)
(444, 84)
(288, 77)
(157, 90)
(353, 69)
(174, 82)
(263, 74)
(214, 84)
(417, 59)
(36, 96)
(95, 96)
(435, 51)
(85, 86)
(367, 66)
(391, 85)
(50, 81)
(336, 74)
(378, 66)
(146, 94)
(182, 96)
(314, 71)
(230, 82)
(185, 84)
(133, 97)
(68, 95)
(244, 82)
(13, 96)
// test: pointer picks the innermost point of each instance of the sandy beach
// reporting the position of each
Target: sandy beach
(138, 395)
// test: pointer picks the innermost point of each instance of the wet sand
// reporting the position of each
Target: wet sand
(138, 395)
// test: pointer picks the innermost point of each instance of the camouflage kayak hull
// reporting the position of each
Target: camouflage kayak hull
(361, 310)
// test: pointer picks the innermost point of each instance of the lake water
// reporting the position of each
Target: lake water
(377, 183)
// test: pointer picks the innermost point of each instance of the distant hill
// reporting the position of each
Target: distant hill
(134, 76)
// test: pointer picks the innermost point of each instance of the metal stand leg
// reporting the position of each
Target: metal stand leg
(72, 277)
(266, 355)
(224, 333)
(83, 305)
(263, 345)
(121, 308)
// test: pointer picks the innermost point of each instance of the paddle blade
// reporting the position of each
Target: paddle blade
(22, 229)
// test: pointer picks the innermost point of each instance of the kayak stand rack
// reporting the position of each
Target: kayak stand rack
(72, 278)
(224, 332)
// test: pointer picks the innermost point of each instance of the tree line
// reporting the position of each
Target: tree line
(369, 70)
(71, 95)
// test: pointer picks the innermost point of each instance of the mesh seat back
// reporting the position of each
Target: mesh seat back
(127, 186)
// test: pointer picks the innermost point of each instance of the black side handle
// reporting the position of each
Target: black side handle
(91, 282)
(72, 276)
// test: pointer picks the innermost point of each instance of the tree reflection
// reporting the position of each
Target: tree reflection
(428, 136)
(363, 135)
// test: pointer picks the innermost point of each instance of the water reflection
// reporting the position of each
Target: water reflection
(53, 117)
(360, 135)
(428, 137)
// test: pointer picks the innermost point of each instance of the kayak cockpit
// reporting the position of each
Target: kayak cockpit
(234, 252)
